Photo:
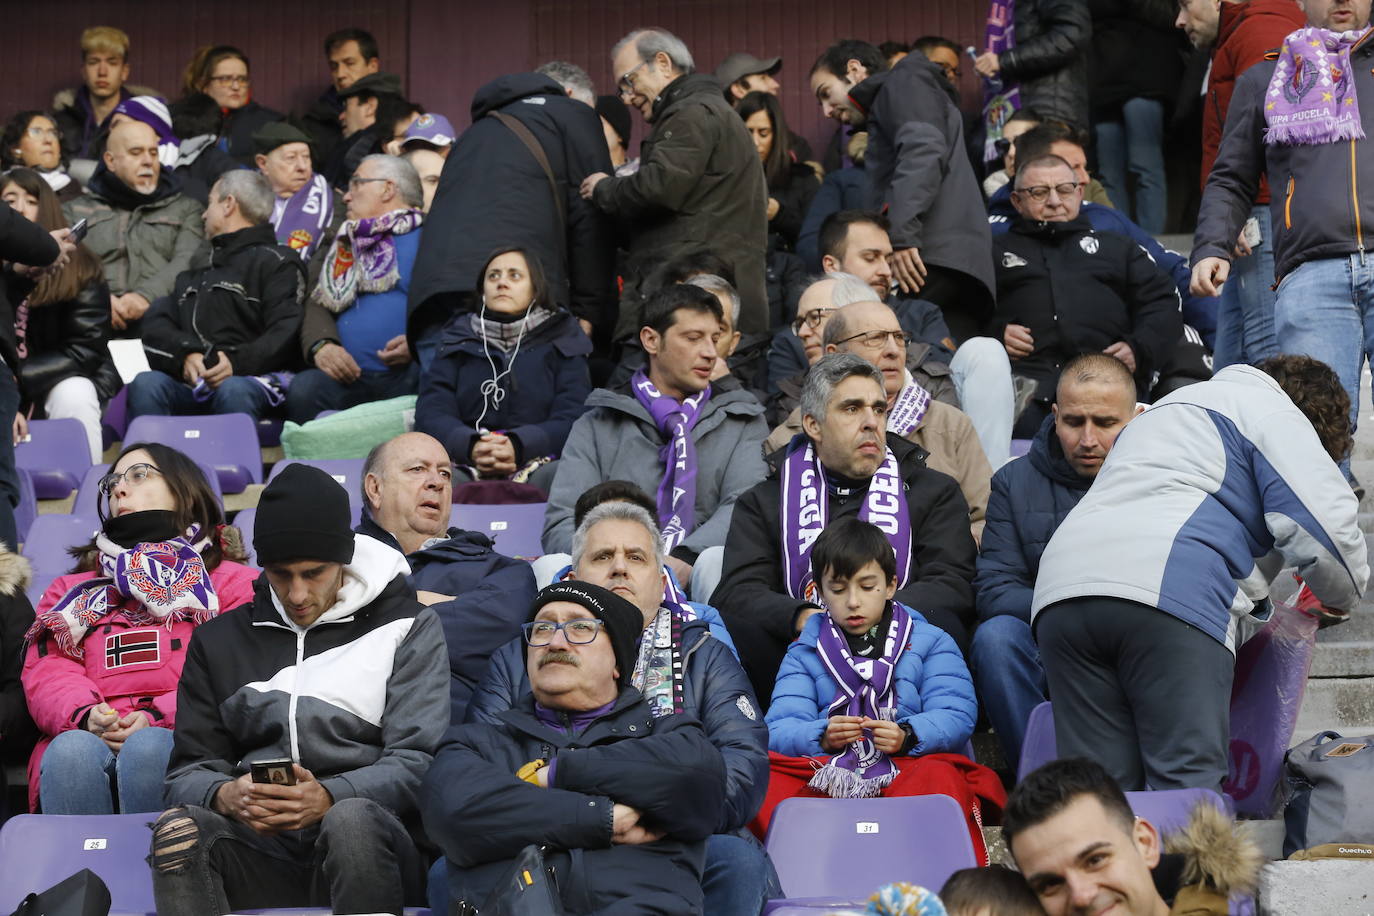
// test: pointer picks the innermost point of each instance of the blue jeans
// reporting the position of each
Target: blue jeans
(77, 770)
(313, 391)
(158, 394)
(1245, 311)
(1135, 144)
(1009, 678)
(1325, 309)
(982, 378)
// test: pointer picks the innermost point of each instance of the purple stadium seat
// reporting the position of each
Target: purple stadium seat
(1039, 747)
(516, 529)
(88, 494)
(47, 543)
(39, 850)
(347, 471)
(1019, 447)
(243, 521)
(56, 455)
(27, 510)
(116, 417)
(1169, 809)
(830, 851)
(226, 442)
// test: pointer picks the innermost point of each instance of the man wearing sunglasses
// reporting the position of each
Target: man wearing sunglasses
(1064, 288)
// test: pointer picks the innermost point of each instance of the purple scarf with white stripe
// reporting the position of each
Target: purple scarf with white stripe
(909, 409)
(806, 510)
(677, 492)
(302, 220)
(864, 689)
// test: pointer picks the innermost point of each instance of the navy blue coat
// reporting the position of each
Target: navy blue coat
(1030, 497)
(715, 691)
(481, 814)
(492, 598)
(545, 392)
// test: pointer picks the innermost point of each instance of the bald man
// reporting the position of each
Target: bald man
(480, 596)
(143, 229)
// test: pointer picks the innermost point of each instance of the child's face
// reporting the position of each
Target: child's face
(856, 604)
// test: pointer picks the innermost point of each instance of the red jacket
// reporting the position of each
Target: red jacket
(1245, 33)
(60, 688)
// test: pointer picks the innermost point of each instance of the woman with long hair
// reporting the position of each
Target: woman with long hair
(105, 652)
(221, 72)
(508, 378)
(32, 139)
(791, 183)
(61, 323)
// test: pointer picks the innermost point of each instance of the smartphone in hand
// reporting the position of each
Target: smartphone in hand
(273, 772)
(78, 232)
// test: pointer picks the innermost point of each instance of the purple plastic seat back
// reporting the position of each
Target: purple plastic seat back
(27, 508)
(46, 547)
(347, 472)
(1019, 447)
(515, 529)
(1040, 746)
(226, 442)
(116, 417)
(39, 850)
(850, 847)
(243, 521)
(56, 455)
(1169, 809)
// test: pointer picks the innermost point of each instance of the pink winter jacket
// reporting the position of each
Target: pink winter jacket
(127, 666)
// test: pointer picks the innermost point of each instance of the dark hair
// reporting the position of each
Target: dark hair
(195, 504)
(194, 115)
(777, 167)
(1037, 141)
(1316, 390)
(82, 270)
(390, 109)
(995, 888)
(661, 308)
(14, 132)
(834, 234)
(688, 264)
(1055, 786)
(931, 42)
(889, 48)
(533, 266)
(197, 74)
(367, 45)
(835, 58)
(1026, 113)
(849, 544)
(612, 491)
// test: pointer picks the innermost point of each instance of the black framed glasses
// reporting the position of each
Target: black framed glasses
(134, 473)
(811, 319)
(578, 632)
(626, 84)
(876, 340)
(1041, 192)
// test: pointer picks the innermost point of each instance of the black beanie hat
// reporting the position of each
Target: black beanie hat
(303, 515)
(613, 109)
(622, 621)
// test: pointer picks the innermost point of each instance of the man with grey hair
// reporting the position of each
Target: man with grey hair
(574, 80)
(354, 330)
(700, 181)
(682, 669)
(842, 463)
(221, 342)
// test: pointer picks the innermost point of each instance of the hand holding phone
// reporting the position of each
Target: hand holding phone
(78, 232)
(276, 772)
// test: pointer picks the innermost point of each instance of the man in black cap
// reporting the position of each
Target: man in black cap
(335, 673)
(371, 107)
(580, 765)
(742, 73)
(615, 124)
(306, 211)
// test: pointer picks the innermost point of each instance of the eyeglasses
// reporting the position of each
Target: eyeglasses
(876, 340)
(811, 319)
(953, 73)
(355, 182)
(135, 474)
(234, 80)
(578, 632)
(38, 133)
(1042, 191)
(1001, 145)
(625, 84)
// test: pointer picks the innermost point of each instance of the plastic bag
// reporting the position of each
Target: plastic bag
(1270, 680)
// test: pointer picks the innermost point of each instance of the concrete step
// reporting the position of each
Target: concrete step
(1330, 887)
(1341, 704)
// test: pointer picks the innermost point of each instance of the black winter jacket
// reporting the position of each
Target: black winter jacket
(492, 595)
(714, 692)
(21, 242)
(1080, 291)
(63, 339)
(481, 815)
(793, 193)
(237, 129)
(493, 193)
(321, 122)
(17, 732)
(919, 172)
(1050, 58)
(753, 599)
(246, 302)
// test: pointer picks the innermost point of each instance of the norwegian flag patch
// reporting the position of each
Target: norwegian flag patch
(132, 647)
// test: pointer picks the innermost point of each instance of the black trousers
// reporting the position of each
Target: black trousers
(1138, 690)
(962, 300)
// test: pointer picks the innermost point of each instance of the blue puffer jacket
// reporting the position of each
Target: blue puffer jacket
(1030, 497)
(544, 393)
(715, 691)
(934, 693)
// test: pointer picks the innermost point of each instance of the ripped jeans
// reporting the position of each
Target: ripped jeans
(358, 859)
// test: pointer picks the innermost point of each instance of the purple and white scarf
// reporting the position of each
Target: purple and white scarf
(677, 492)
(168, 579)
(999, 99)
(806, 509)
(1311, 95)
(363, 259)
(909, 409)
(301, 220)
(864, 689)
